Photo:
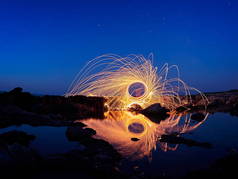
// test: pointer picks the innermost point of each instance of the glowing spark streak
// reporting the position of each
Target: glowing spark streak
(110, 76)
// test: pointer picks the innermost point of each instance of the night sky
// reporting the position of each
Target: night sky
(43, 44)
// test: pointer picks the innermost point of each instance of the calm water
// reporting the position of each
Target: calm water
(220, 130)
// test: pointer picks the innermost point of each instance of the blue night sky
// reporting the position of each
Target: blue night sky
(43, 44)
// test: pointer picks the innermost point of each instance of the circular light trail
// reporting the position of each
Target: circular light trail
(137, 89)
(132, 80)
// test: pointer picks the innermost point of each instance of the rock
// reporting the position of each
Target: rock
(53, 107)
(80, 124)
(225, 167)
(77, 133)
(16, 90)
(14, 148)
(135, 108)
(22, 154)
(134, 139)
(155, 109)
(90, 131)
(198, 117)
(14, 137)
(181, 109)
(217, 102)
(156, 112)
(13, 115)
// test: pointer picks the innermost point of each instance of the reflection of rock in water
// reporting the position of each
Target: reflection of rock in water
(136, 136)
(14, 149)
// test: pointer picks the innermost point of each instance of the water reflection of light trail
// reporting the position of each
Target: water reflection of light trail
(118, 130)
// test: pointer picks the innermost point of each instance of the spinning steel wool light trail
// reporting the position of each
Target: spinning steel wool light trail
(131, 80)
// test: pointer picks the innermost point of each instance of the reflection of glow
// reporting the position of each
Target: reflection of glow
(115, 130)
(132, 79)
(136, 128)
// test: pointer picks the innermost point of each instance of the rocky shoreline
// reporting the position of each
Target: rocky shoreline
(94, 158)
(226, 102)
(18, 107)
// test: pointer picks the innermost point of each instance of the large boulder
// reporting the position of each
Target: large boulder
(155, 112)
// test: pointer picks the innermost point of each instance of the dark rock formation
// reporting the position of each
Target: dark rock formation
(219, 102)
(93, 159)
(77, 133)
(15, 150)
(135, 108)
(225, 167)
(135, 139)
(14, 137)
(155, 112)
(18, 107)
(181, 109)
(198, 117)
(13, 115)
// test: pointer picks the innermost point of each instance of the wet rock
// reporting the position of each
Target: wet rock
(22, 154)
(95, 164)
(225, 167)
(135, 108)
(155, 109)
(90, 131)
(77, 133)
(198, 117)
(14, 149)
(182, 109)
(134, 139)
(80, 124)
(156, 112)
(14, 137)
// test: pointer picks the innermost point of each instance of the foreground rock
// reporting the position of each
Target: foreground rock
(14, 149)
(92, 158)
(225, 167)
(14, 137)
(155, 112)
(77, 133)
(198, 117)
